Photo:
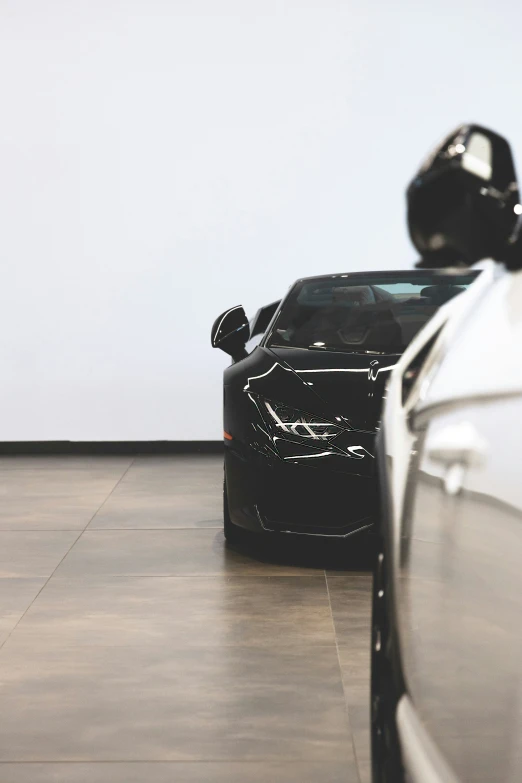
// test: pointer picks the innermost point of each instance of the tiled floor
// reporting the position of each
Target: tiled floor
(137, 647)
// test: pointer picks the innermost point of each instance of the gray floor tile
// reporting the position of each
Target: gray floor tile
(188, 463)
(107, 465)
(356, 689)
(16, 596)
(239, 703)
(166, 553)
(355, 658)
(28, 553)
(152, 510)
(357, 695)
(361, 739)
(214, 611)
(180, 772)
(351, 600)
(360, 716)
(360, 727)
(167, 492)
(365, 771)
(157, 653)
(58, 499)
(359, 587)
(63, 482)
(175, 473)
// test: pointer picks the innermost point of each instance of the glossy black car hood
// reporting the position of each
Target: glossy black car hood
(330, 384)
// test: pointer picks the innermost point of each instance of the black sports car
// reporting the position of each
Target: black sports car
(302, 409)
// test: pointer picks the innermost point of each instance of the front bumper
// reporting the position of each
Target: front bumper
(303, 491)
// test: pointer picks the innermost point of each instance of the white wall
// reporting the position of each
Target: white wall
(161, 160)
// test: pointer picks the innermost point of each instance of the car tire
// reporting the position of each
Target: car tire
(231, 532)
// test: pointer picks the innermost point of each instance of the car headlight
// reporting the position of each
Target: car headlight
(295, 422)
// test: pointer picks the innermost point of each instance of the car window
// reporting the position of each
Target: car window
(363, 314)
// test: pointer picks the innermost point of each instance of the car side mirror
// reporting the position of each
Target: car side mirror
(262, 318)
(463, 204)
(231, 332)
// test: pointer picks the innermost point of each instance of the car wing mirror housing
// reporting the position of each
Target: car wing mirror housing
(464, 203)
(231, 332)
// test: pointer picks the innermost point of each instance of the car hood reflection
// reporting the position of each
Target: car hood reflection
(346, 385)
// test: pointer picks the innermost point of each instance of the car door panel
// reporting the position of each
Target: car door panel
(460, 585)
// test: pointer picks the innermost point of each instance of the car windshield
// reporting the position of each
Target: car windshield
(358, 313)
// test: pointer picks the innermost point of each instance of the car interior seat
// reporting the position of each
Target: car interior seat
(440, 294)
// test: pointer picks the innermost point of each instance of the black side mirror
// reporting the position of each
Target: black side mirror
(262, 318)
(463, 204)
(231, 332)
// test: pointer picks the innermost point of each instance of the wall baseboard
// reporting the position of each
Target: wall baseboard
(65, 447)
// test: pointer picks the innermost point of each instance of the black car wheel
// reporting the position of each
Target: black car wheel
(232, 533)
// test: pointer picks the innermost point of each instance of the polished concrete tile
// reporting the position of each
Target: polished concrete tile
(179, 464)
(351, 600)
(356, 688)
(149, 510)
(174, 474)
(16, 595)
(155, 652)
(360, 727)
(108, 465)
(365, 771)
(30, 553)
(166, 492)
(58, 481)
(207, 612)
(149, 703)
(165, 553)
(53, 499)
(180, 772)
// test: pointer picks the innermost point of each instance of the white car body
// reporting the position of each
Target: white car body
(430, 386)
(453, 604)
